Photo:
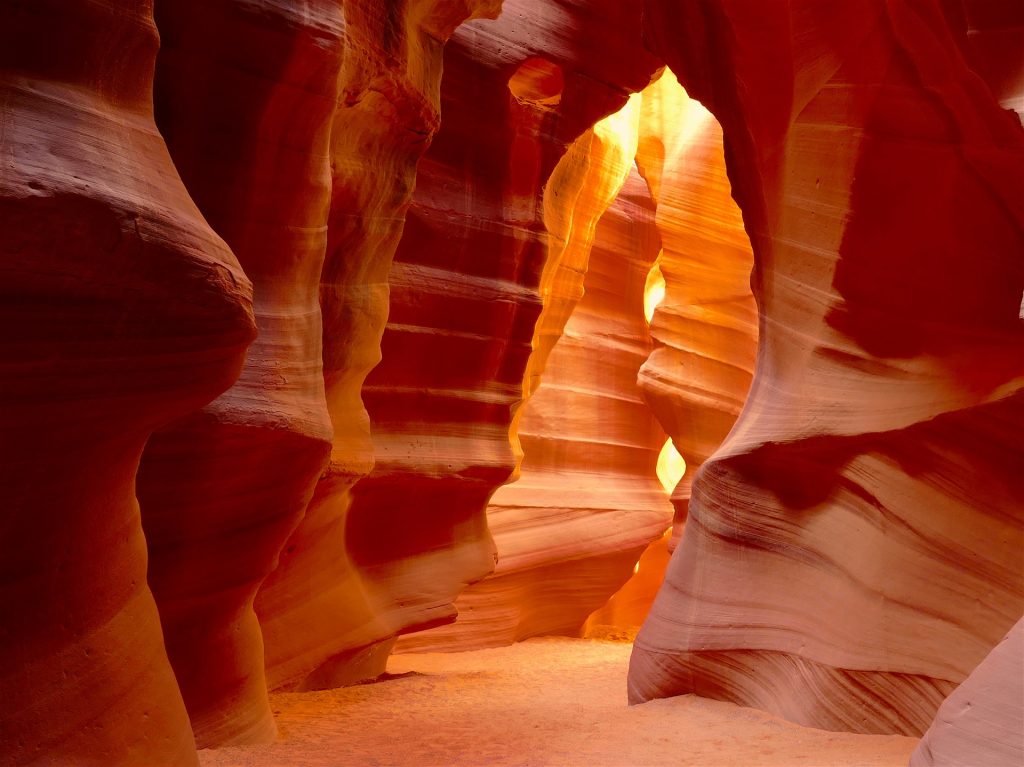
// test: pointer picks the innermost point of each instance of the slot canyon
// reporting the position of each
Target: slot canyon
(512, 382)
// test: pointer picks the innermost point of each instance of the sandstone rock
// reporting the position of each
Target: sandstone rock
(587, 502)
(120, 310)
(315, 609)
(465, 291)
(852, 550)
(705, 327)
(982, 722)
(245, 93)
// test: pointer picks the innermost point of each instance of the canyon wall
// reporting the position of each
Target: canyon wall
(323, 621)
(244, 97)
(465, 294)
(587, 501)
(847, 551)
(121, 310)
(558, 559)
(852, 551)
(705, 327)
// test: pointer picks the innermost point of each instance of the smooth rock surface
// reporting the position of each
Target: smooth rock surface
(244, 94)
(705, 327)
(982, 722)
(853, 550)
(322, 623)
(120, 310)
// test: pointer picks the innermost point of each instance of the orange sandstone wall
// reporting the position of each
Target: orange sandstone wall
(587, 501)
(322, 620)
(120, 310)
(705, 328)
(465, 293)
(852, 550)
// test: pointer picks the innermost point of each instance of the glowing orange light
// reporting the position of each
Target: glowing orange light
(622, 128)
(654, 290)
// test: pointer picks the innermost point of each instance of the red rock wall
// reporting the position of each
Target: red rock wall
(120, 310)
(853, 550)
(244, 96)
(464, 296)
(317, 610)
(587, 502)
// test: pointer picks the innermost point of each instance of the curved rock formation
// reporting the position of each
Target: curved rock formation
(315, 609)
(465, 292)
(120, 310)
(244, 94)
(982, 722)
(587, 501)
(705, 327)
(853, 549)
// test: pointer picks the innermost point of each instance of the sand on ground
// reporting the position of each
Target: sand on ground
(541, 703)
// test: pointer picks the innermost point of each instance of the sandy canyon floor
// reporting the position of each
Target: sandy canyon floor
(552, 702)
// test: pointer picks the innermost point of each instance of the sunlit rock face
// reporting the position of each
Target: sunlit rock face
(323, 621)
(120, 310)
(465, 293)
(982, 722)
(705, 325)
(222, 489)
(587, 502)
(852, 551)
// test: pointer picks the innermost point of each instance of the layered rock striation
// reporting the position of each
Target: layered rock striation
(244, 96)
(465, 295)
(322, 621)
(587, 501)
(852, 550)
(120, 311)
(705, 326)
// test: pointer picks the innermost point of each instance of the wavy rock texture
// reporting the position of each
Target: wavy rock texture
(317, 611)
(982, 722)
(465, 291)
(120, 310)
(852, 550)
(705, 328)
(587, 501)
(245, 93)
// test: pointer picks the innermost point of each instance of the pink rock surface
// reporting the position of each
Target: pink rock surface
(120, 310)
(853, 549)
(982, 722)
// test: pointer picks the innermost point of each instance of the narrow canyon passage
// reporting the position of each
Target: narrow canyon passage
(511, 382)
